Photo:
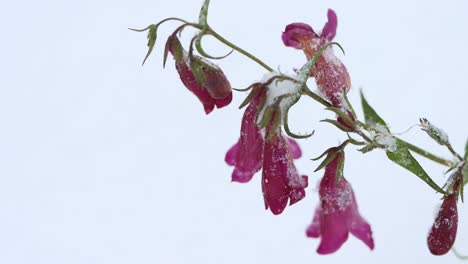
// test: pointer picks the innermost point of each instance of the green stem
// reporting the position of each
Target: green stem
(454, 153)
(316, 97)
(238, 49)
(428, 155)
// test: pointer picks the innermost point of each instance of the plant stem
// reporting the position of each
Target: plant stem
(428, 155)
(238, 49)
(454, 153)
(316, 97)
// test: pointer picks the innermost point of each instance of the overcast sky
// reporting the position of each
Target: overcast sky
(105, 161)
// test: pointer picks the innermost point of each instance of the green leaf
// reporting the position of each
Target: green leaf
(370, 115)
(152, 35)
(203, 16)
(403, 157)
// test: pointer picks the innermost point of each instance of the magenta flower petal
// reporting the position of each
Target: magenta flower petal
(231, 155)
(189, 81)
(314, 228)
(362, 230)
(334, 233)
(329, 29)
(444, 231)
(293, 32)
(220, 103)
(296, 151)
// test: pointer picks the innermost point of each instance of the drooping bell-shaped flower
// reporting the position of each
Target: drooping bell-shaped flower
(280, 180)
(330, 73)
(247, 154)
(337, 214)
(204, 79)
(444, 230)
(262, 145)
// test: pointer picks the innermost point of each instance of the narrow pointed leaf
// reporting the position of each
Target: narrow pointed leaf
(403, 157)
(152, 35)
(370, 115)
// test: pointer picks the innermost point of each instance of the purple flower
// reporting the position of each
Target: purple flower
(204, 79)
(280, 180)
(337, 215)
(330, 73)
(247, 154)
(444, 230)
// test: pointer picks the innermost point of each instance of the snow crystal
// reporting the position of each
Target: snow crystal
(382, 136)
(284, 90)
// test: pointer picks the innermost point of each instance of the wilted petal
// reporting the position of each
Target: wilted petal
(296, 31)
(329, 30)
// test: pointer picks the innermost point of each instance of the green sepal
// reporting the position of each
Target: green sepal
(368, 148)
(370, 115)
(354, 141)
(330, 157)
(340, 167)
(266, 117)
(251, 95)
(197, 69)
(338, 125)
(274, 127)
(348, 121)
(403, 157)
(176, 47)
(348, 103)
(152, 35)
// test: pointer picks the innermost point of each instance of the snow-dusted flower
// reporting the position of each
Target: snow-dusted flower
(204, 79)
(330, 73)
(280, 180)
(444, 230)
(255, 149)
(337, 215)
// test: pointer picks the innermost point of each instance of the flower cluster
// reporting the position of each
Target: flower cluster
(266, 144)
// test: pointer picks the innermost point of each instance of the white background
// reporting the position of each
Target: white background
(105, 161)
